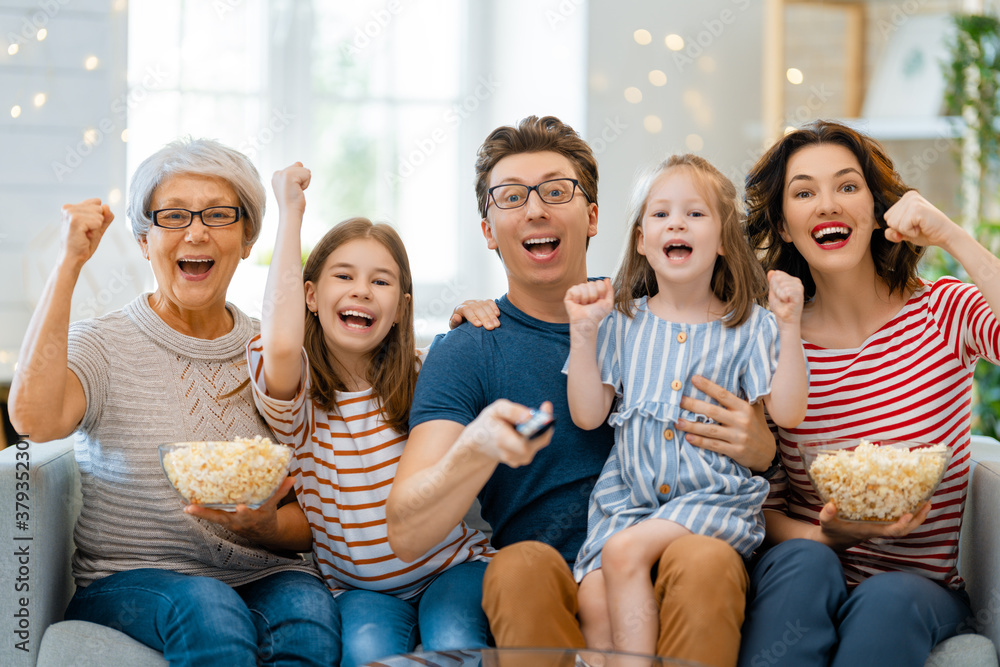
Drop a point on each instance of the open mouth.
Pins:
(541, 246)
(196, 267)
(355, 319)
(677, 251)
(831, 235)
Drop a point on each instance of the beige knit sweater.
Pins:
(146, 384)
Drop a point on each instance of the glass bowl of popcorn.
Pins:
(222, 475)
(874, 481)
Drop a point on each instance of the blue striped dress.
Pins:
(652, 471)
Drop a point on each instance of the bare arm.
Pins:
(916, 220)
(46, 398)
(587, 304)
(282, 326)
(442, 469)
(789, 396)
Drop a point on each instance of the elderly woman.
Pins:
(891, 357)
(169, 367)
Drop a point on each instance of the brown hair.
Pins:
(392, 370)
(895, 263)
(737, 279)
(533, 135)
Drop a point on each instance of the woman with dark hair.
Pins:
(891, 357)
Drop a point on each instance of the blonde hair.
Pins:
(392, 370)
(737, 279)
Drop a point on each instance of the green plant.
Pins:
(973, 93)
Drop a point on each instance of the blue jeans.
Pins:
(288, 618)
(448, 615)
(801, 613)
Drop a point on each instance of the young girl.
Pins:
(684, 307)
(336, 384)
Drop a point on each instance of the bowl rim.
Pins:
(810, 449)
(227, 507)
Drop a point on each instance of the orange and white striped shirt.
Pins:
(344, 467)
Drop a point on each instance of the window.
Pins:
(371, 95)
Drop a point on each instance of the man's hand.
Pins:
(740, 431)
(492, 434)
(481, 313)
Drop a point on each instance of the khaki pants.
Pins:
(529, 596)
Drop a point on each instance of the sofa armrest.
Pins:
(979, 553)
(35, 555)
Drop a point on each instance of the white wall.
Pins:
(66, 150)
(712, 90)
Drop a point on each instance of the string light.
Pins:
(40, 99)
(91, 62)
(657, 78)
(90, 136)
(653, 124)
(794, 75)
(13, 49)
(642, 37)
(114, 196)
(41, 34)
(15, 111)
(633, 95)
(674, 42)
(125, 135)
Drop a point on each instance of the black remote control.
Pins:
(538, 423)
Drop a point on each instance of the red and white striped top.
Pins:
(911, 380)
(344, 466)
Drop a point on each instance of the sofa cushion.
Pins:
(83, 644)
(965, 650)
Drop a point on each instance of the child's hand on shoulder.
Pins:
(589, 302)
(785, 296)
(289, 186)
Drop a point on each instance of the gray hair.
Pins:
(204, 157)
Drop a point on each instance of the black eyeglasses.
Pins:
(515, 195)
(179, 218)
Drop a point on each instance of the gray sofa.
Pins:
(34, 567)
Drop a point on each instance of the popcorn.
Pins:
(873, 483)
(226, 473)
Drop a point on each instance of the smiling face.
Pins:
(543, 246)
(681, 233)
(193, 266)
(357, 298)
(828, 210)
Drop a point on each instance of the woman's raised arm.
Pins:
(46, 398)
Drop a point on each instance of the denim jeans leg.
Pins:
(896, 618)
(296, 618)
(192, 620)
(795, 591)
(375, 625)
(451, 609)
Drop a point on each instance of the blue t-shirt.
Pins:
(521, 361)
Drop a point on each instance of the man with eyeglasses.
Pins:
(537, 191)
